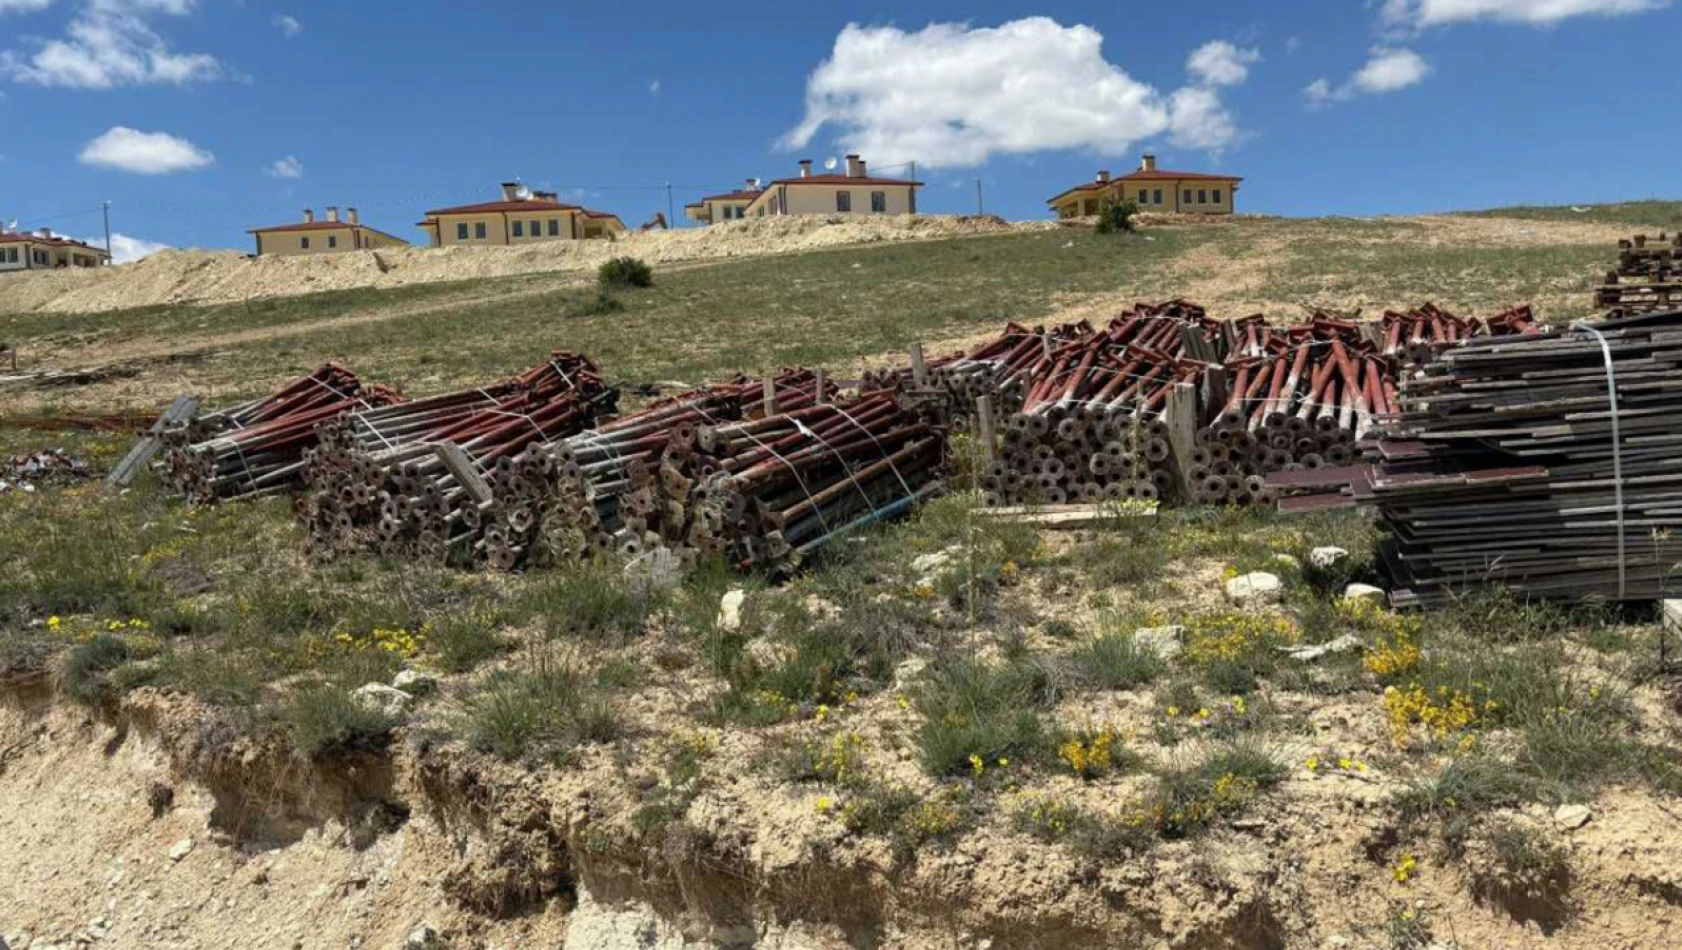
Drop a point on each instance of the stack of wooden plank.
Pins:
(1510, 464)
(1648, 276)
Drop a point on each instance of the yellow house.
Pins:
(1152, 189)
(331, 236)
(728, 206)
(44, 250)
(521, 217)
(856, 192)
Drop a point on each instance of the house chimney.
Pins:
(510, 190)
(855, 168)
(309, 215)
(332, 214)
(753, 184)
(350, 215)
(1147, 163)
(1103, 175)
(805, 168)
(46, 233)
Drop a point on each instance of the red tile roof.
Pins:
(601, 214)
(309, 226)
(1155, 174)
(728, 196)
(491, 207)
(50, 242)
(845, 180)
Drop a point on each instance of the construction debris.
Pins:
(53, 466)
(257, 447)
(1648, 276)
(449, 476)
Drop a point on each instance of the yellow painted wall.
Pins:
(29, 256)
(445, 233)
(821, 199)
(1173, 197)
(344, 240)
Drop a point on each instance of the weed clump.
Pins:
(84, 674)
(324, 721)
(1115, 217)
(550, 706)
(1116, 660)
(976, 712)
(1223, 783)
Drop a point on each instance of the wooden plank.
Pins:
(466, 473)
(178, 412)
(1063, 517)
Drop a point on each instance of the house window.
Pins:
(878, 202)
(332, 240)
(554, 227)
(843, 201)
(1202, 196)
(304, 243)
(1217, 194)
(519, 229)
(479, 230)
(461, 232)
(1158, 199)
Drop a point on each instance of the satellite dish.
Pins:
(830, 163)
(523, 193)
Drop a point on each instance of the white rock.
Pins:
(927, 563)
(1327, 556)
(1164, 641)
(421, 938)
(730, 609)
(1344, 644)
(653, 571)
(414, 682)
(1573, 816)
(1287, 561)
(1254, 589)
(386, 699)
(181, 849)
(908, 672)
(1367, 592)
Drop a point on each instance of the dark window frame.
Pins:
(878, 202)
(843, 202)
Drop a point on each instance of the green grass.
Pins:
(975, 713)
(542, 708)
(1651, 214)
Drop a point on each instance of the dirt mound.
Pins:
(194, 276)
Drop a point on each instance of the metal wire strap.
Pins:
(1617, 447)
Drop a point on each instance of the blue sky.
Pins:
(200, 118)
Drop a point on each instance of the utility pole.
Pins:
(670, 220)
(980, 208)
(107, 229)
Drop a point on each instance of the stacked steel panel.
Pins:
(452, 476)
(258, 447)
(1518, 470)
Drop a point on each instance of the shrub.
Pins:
(976, 713)
(548, 706)
(1466, 786)
(325, 721)
(84, 673)
(22, 653)
(1115, 217)
(625, 272)
(597, 305)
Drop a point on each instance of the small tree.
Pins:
(1115, 217)
(625, 272)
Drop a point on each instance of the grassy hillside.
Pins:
(1666, 215)
(836, 307)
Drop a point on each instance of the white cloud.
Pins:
(654, 87)
(23, 6)
(1292, 44)
(288, 167)
(1219, 63)
(955, 95)
(108, 44)
(146, 153)
(288, 25)
(1388, 69)
(1420, 14)
(125, 249)
(1197, 119)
